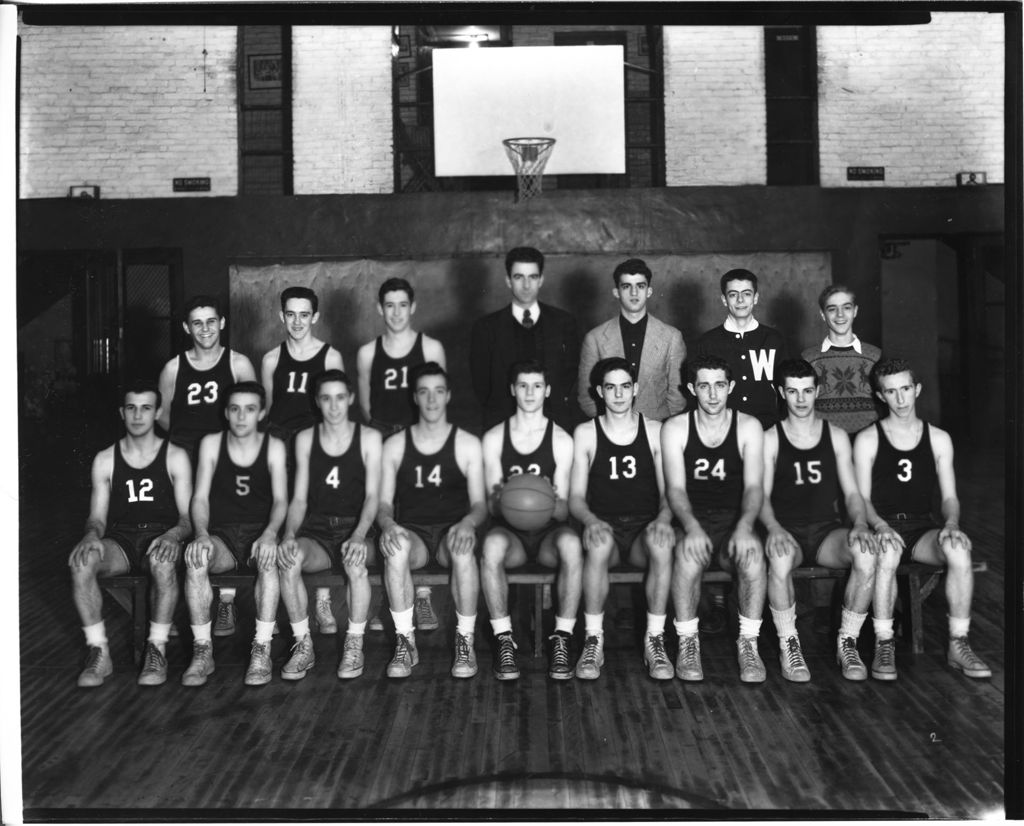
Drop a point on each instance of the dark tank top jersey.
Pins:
(903, 481)
(389, 384)
(292, 404)
(337, 484)
(806, 484)
(541, 462)
(622, 479)
(142, 495)
(240, 495)
(198, 404)
(714, 475)
(430, 489)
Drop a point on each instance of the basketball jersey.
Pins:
(389, 384)
(238, 494)
(197, 407)
(902, 481)
(142, 495)
(430, 489)
(622, 479)
(337, 484)
(714, 475)
(805, 488)
(291, 405)
(541, 462)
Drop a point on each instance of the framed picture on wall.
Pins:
(264, 71)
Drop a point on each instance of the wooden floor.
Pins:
(930, 744)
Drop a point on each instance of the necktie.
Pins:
(527, 321)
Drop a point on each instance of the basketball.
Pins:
(527, 501)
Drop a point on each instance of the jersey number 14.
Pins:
(434, 477)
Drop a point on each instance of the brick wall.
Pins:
(341, 123)
(923, 101)
(128, 109)
(714, 105)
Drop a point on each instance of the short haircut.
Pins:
(890, 367)
(518, 368)
(246, 387)
(706, 362)
(334, 374)
(197, 301)
(142, 386)
(634, 266)
(394, 285)
(299, 292)
(831, 290)
(796, 369)
(609, 365)
(524, 255)
(428, 368)
(738, 275)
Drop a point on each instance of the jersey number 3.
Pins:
(906, 470)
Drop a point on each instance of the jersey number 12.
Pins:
(145, 486)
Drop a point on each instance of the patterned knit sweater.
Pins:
(844, 376)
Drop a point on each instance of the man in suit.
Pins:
(525, 330)
(654, 349)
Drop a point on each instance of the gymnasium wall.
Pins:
(128, 108)
(925, 102)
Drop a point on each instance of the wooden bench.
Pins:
(130, 592)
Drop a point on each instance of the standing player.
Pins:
(617, 493)
(843, 363)
(654, 349)
(530, 442)
(195, 382)
(900, 462)
(138, 520)
(714, 465)
(383, 365)
(337, 473)
(238, 506)
(808, 463)
(432, 502)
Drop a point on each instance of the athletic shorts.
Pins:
(911, 527)
(718, 525)
(134, 540)
(238, 537)
(531, 540)
(625, 530)
(330, 532)
(433, 534)
(810, 536)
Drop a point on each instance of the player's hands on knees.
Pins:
(889, 541)
(863, 538)
(954, 536)
(165, 548)
(199, 551)
(462, 537)
(744, 542)
(659, 534)
(392, 538)
(353, 551)
(596, 531)
(287, 553)
(697, 547)
(780, 543)
(80, 553)
(264, 551)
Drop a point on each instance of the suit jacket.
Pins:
(493, 350)
(662, 355)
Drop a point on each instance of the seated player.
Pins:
(714, 464)
(808, 463)
(238, 506)
(432, 503)
(138, 521)
(900, 462)
(616, 492)
(337, 473)
(384, 399)
(530, 442)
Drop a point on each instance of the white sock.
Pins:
(883, 629)
(201, 633)
(501, 625)
(785, 621)
(159, 632)
(423, 591)
(227, 594)
(566, 624)
(96, 635)
(959, 626)
(323, 594)
(264, 630)
(300, 628)
(466, 625)
(686, 628)
(593, 624)
(851, 623)
(403, 621)
(749, 627)
(357, 628)
(655, 624)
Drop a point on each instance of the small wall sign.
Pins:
(191, 184)
(865, 173)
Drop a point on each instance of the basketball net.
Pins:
(528, 157)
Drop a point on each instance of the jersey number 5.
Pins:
(434, 477)
(195, 393)
(242, 485)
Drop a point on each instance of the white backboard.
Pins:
(574, 94)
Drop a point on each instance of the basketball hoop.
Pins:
(528, 157)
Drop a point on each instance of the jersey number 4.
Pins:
(145, 486)
(702, 470)
(196, 395)
(391, 378)
(333, 478)
(434, 477)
